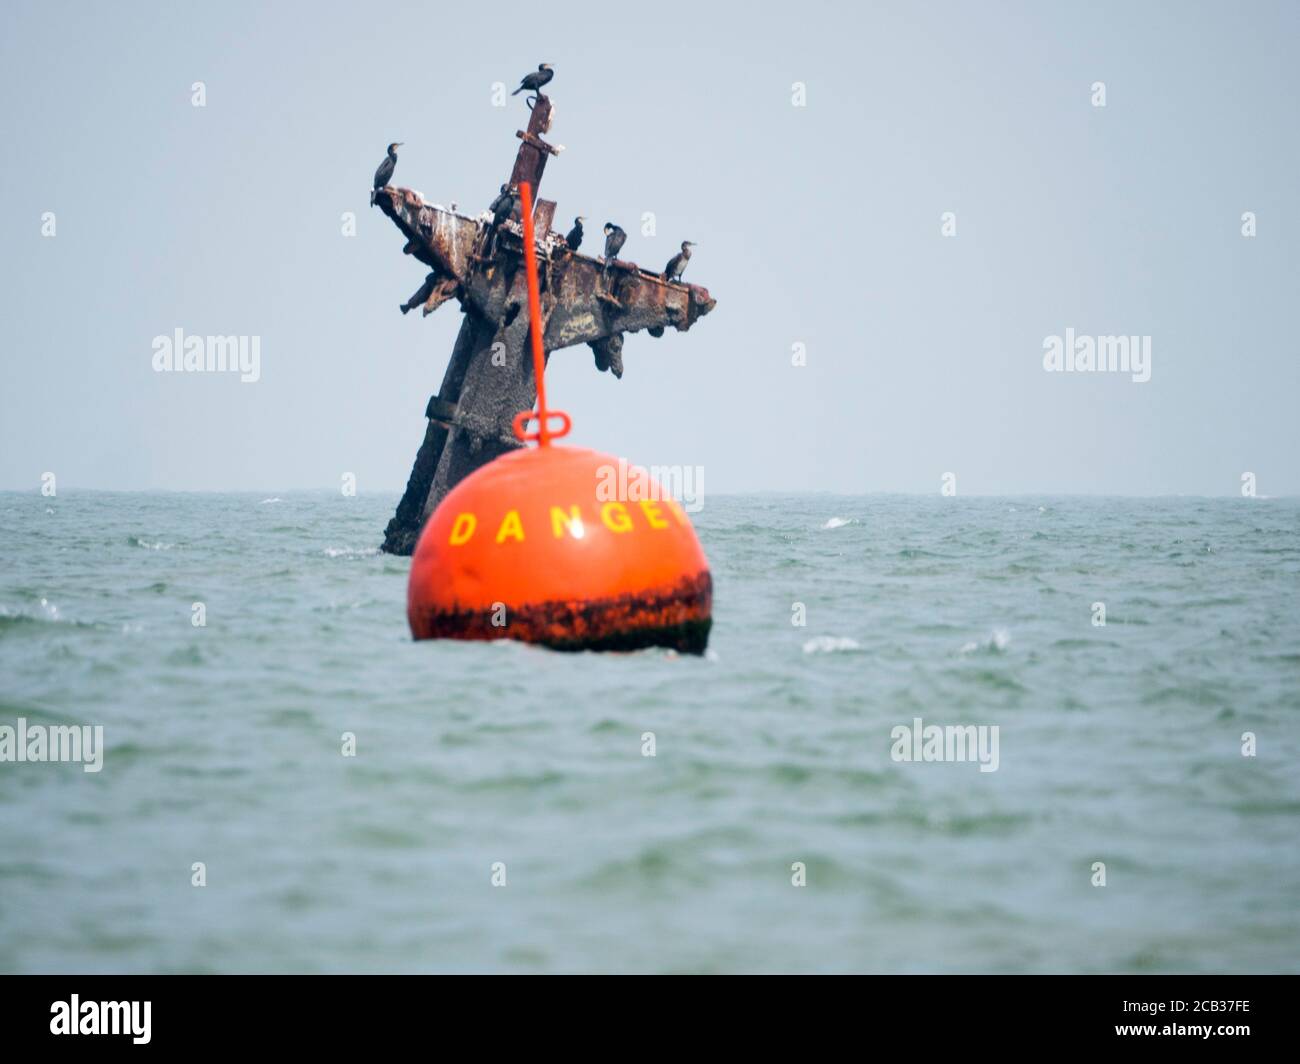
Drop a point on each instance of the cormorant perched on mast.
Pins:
(574, 239)
(385, 172)
(677, 264)
(615, 238)
(533, 82)
(501, 207)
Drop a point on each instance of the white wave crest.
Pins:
(830, 644)
(997, 641)
(350, 552)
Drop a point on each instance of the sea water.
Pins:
(289, 783)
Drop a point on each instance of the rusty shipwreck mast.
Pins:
(490, 376)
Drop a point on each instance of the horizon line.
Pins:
(723, 494)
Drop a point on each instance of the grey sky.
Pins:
(817, 225)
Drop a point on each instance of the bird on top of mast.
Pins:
(533, 82)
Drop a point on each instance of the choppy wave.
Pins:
(830, 644)
(351, 552)
(147, 544)
(998, 640)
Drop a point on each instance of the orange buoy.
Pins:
(548, 544)
(534, 546)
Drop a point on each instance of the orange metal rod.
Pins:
(535, 313)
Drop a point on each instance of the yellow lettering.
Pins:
(653, 514)
(462, 529)
(615, 517)
(572, 521)
(678, 513)
(511, 527)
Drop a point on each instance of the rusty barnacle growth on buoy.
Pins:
(489, 376)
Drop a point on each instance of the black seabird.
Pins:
(677, 264)
(533, 82)
(574, 239)
(503, 206)
(385, 172)
(615, 238)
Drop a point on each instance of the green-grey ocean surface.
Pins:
(1120, 744)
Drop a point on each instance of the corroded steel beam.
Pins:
(530, 162)
(580, 304)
